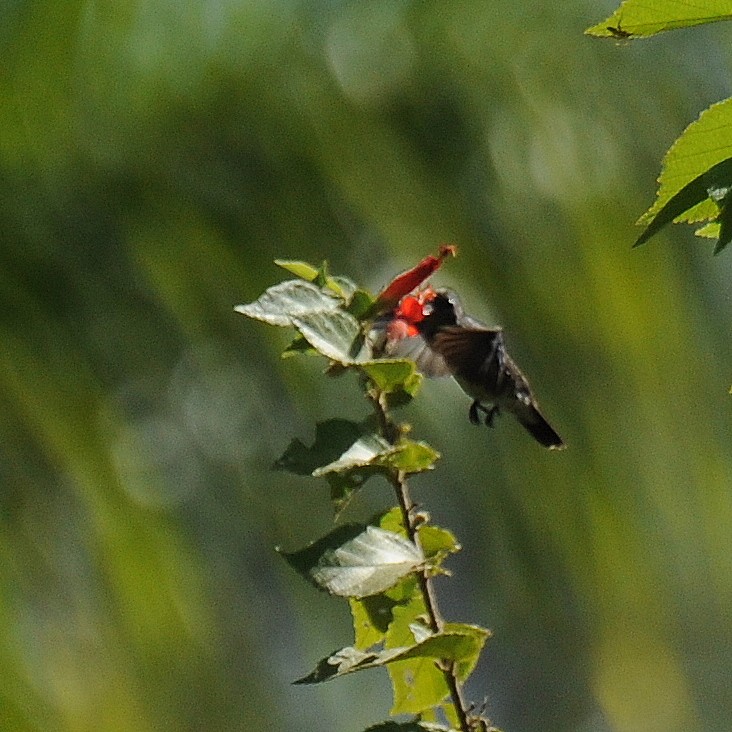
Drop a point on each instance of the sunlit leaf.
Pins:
(390, 375)
(367, 450)
(640, 18)
(418, 683)
(299, 269)
(696, 174)
(373, 451)
(355, 561)
(412, 457)
(279, 304)
(371, 618)
(339, 285)
(436, 542)
(335, 333)
(681, 206)
(447, 646)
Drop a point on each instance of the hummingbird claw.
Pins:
(490, 416)
(473, 413)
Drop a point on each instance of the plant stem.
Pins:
(398, 479)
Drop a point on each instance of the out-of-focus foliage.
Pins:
(154, 157)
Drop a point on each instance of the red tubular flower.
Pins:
(408, 313)
(407, 281)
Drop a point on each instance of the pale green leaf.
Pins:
(696, 174)
(357, 561)
(279, 304)
(642, 18)
(299, 269)
(335, 334)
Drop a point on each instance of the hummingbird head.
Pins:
(441, 311)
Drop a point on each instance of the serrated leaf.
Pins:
(681, 205)
(357, 563)
(279, 304)
(696, 172)
(640, 18)
(335, 334)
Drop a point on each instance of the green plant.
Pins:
(385, 567)
(695, 185)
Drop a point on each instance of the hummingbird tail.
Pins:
(534, 422)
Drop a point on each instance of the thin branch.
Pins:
(398, 479)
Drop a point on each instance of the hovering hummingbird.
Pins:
(451, 343)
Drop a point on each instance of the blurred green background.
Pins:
(155, 157)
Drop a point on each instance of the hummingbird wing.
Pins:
(476, 352)
(429, 362)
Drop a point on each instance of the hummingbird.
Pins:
(455, 344)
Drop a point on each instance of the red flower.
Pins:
(407, 281)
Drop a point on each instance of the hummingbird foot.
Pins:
(490, 413)
(490, 416)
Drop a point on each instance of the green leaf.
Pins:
(341, 286)
(360, 303)
(467, 649)
(280, 304)
(298, 347)
(367, 451)
(332, 438)
(700, 189)
(373, 451)
(356, 561)
(437, 543)
(418, 683)
(412, 457)
(299, 269)
(373, 615)
(371, 618)
(725, 223)
(392, 374)
(335, 334)
(640, 18)
(696, 173)
(448, 646)
(344, 661)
